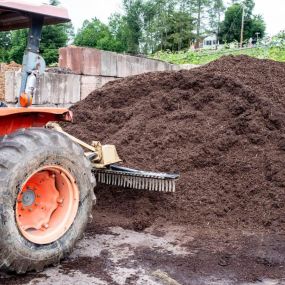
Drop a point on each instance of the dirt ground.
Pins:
(166, 254)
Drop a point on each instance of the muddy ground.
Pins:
(167, 254)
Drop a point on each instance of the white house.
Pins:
(210, 41)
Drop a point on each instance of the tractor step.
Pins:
(136, 179)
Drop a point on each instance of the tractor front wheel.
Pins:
(46, 196)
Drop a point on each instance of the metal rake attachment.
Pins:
(136, 179)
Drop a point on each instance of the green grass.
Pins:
(203, 57)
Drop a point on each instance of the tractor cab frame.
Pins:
(19, 15)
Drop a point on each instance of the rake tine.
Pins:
(170, 186)
(132, 182)
(163, 186)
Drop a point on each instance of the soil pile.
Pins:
(13, 66)
(222, 126)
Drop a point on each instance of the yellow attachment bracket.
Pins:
(104, 154)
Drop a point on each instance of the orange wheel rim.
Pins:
(47, 204)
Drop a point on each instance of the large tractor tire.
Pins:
(46, 197)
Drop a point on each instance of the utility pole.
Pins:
(242, 25)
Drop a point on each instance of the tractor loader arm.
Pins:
(105, 159)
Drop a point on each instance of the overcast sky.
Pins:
(273, 11)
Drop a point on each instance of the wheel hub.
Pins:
(29, 198)
(47, 205)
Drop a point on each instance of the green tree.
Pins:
(258, 27)
(133, 17)
(95, 34)
(53, 38)
(18, 45)
(199, 10)
(118, 29)
(5, 45)
(215, 13)
(179, 31)
(230, 29)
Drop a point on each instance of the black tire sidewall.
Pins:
(34, 160)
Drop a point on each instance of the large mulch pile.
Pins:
(13, 66)
(222, 126)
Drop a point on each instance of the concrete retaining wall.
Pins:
(90, 61)
(92, 69)
(55, 89)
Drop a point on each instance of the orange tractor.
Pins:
(47, 177)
